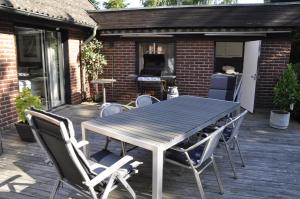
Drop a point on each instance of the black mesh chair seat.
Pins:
(107, 158)
(226, 133)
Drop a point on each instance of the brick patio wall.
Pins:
(194, 66)
(121, 59)
(75, 39)
(275, 55)
(8, 75)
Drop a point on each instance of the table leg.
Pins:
(85, 148)
(157, 173)
(104, 94)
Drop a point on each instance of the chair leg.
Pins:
(241, 156)
(108, 186)
(230, 160)
(127, 186)
(216, 171)
(107, 143)
(55, 189)
(199, 184)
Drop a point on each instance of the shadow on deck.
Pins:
(272, 165)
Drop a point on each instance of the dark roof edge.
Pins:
(194, 6)
(18, 11)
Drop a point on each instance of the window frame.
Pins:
(143, 41)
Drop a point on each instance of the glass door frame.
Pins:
(61, 68)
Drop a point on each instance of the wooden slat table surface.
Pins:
(160, 126)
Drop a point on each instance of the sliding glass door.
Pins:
(40, 65)
(53, 51)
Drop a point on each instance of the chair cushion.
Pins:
(180, 157)
(107, 159)
(66, 121)
(227, 133)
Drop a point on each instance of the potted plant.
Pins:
(286, 94)
(296, 111)
(24, 101)
(93, 63)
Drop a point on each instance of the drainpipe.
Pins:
(90, 37)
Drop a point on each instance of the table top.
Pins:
(162, 124)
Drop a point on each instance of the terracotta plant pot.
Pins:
(25, 132)
(279, 119)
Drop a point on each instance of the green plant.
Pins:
(26, 100)
(296, 111)
(92, 59)
(287, 91)
(115, 4)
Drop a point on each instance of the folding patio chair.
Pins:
(230, 137)
(93, 178)
(197, 157)
(108, 109)
(145, 100)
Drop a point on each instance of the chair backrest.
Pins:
(235, 124)
(111, 109)
(211, 144)
(53, 135)
(145, 100)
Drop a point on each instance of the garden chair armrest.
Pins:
(109, 171)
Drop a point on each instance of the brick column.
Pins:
(74, 64)
(194, 66)
(9, 87)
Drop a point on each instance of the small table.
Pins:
(103, 81)
(160, 126)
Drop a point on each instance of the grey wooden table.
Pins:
(160, 126)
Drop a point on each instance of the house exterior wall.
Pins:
(8, 76)
(194, 66)
(274, 57)
(9, 83)
(121, 65)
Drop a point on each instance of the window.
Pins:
(229, 54)
(156, 59)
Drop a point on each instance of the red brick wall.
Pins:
(74, 65)
(121, 59)
(194, 66)
(275, 55)
(8, 76)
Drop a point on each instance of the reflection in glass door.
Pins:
(40, 65)
(55, 68)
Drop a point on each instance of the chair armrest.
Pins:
(81, 144)
(109, 171)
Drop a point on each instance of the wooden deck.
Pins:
(272, 165)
